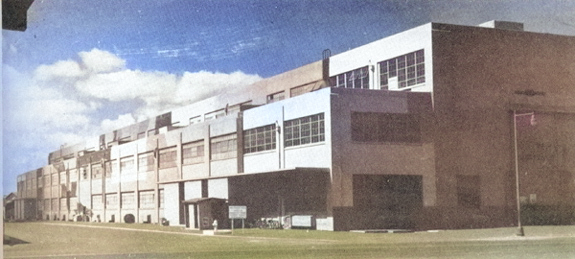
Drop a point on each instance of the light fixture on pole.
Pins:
(520, 231)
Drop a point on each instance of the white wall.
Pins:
(261, 161)
(218, 188)
(387, 48)
(224, 167)
(172, 203)
(310, 155)
(192, 190)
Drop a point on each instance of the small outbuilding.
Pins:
(201, 213)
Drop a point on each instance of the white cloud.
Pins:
(69, 101)
(200, 85)
(122, 121)
(128, 84)
(59, 70)
(99, 61)
(32, 107)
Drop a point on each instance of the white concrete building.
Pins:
(415, 130)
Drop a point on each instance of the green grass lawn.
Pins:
(101, 240)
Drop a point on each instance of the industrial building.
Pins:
(439, 126)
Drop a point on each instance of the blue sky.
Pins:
(84, 67)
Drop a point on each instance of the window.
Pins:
(224, 147)
(111, 168)
(195, 119)
(260, 139)
(304, 130)
(403, 71)
(168, 158)
(40, 205)
(126, 164)
(215, 114)
(97, 202)
(73, 189)
(55, 204)
(128, 201)
(193, 152)
(73, 175)
(63, 204)
(358, 79)
(146, 199)
(55, 177)
(97, 171)
(63, 178)
(299, 90)
(161, 196)
(468, 192)
(146, 162)
(276, 97)
(385, 127)
(112, 200)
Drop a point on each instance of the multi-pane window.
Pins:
(63, 204)
(97, 171)
(73, 189)
(358, 79)
(168, 158)
(193, 152)
(260, 139)
(304, 130)
(403, 71)
(146, 199)
(126, 164)
(146, 162)
(111, 200)
(63, 178)
(276, 97)
(161, 197)
(111, 168)
(40, 206)
(97, 202)
(73, 175)
(128, 200)
(224, 147)
(385, 127)
(55, 204)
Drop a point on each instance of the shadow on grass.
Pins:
(12, 241)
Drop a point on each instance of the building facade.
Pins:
(425, 129)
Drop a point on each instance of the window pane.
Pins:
(310, 129)
(409, 69)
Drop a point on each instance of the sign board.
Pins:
(237, 212)
(301, 221)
